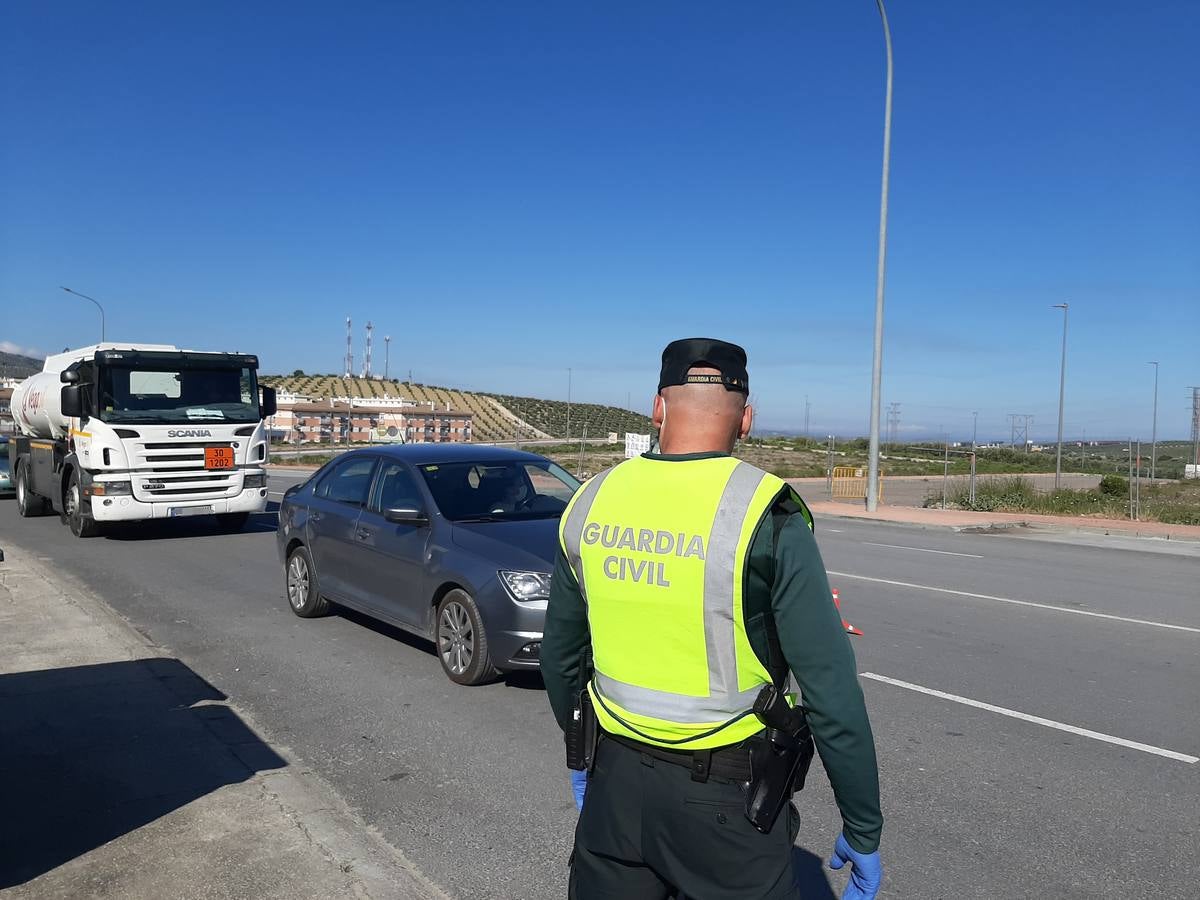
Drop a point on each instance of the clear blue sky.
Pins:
(511, 189)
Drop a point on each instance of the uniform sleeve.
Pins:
(565, 636)
(821, 659)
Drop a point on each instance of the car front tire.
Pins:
(302, 591)
(462, 645)
(81, 524)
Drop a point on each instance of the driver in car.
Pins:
(513, 496)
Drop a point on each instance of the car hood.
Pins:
(528, 545)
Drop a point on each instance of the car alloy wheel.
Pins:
(298, 581)
(456, 638)
(301, 585)
(462, 641)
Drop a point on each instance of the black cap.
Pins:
(728, 359)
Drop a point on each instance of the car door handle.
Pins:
(364, 533)
(314, 517)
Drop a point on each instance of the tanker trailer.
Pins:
(131, 432)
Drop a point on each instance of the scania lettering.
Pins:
(132, 432)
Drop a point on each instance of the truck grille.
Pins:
(175, 471)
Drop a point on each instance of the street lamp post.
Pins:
(98, 306)
(387, 356)
(568, 404)
(1154, 426)
(1062, 384)
(974, 428)
(877, 364)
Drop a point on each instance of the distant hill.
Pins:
(495, 417)
(13, 365)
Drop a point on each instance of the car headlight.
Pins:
(255, 480)
(526, 585)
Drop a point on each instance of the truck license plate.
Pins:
(218, 457)
(175, 511)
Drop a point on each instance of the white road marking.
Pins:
(1036, 720)
(923, 550)
(834, 530)
(1064, 609)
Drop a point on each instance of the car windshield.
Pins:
(499, 491)
(176, 396)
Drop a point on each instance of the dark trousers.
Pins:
(649, 832)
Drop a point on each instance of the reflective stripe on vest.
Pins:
(659, 549)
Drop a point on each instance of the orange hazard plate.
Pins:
(218, 457)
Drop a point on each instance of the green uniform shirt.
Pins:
(786, 575)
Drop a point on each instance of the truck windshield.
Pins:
(169, 396)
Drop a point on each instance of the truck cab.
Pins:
(116, 433)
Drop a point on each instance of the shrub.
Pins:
(1114, 486)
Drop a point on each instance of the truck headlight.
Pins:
(255, 480)
(526, 585)
(110, 489)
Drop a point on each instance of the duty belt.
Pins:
(725, 765)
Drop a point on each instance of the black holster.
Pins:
(779, 764)
(778, 768)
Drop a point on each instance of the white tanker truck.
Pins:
(125, 432)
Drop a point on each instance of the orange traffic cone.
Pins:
(837, 602)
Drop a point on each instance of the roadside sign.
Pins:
(636, 444)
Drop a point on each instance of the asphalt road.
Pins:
(470, 784)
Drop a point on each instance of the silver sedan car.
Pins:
(452, 542)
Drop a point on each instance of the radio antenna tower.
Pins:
(349, 349)
(367, 359)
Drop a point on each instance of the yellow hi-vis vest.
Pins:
(659, 548)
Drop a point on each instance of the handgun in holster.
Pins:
(583, 732)
(778, 763)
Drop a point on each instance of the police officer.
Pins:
(678, 573)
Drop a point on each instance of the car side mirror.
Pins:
(268, 407)
(72, 401)
(406, 515)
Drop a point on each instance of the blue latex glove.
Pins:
(579, 782)
(866, 870)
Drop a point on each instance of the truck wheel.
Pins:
(462, 645)
(303, 594)
(29, 504)
(82, 525)
(233, 521)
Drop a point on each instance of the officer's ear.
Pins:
(747, 422)
(658, 415)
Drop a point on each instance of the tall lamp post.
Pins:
(1154, 425)
(568, 404)
(1062, 384)
(877, 365)
(974, 428)
(98, 306)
